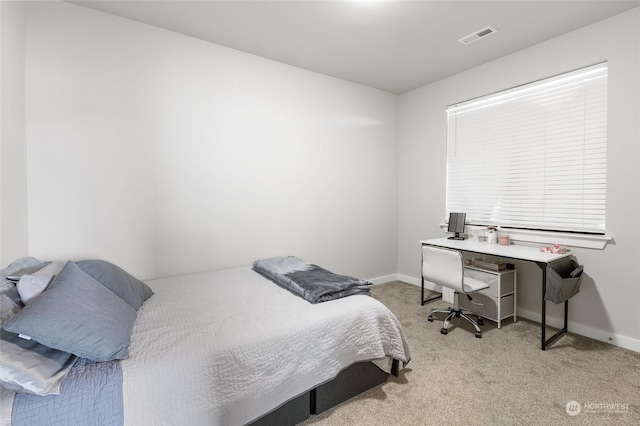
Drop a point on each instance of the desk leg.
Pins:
(547, 342)
(544, 304)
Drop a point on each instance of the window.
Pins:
(532, 157)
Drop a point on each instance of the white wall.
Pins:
(13, 159)
(166, 154)
(607, 305)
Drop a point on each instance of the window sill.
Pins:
(591, 241)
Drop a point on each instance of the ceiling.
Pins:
(391, 45)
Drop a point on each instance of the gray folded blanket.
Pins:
(311, 282)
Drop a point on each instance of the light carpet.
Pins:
(502, 379)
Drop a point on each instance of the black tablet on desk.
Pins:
(456, 225)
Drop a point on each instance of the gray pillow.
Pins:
(79, 315)
(116, 279)
(32, 285)
(10, 301)
(24, 265)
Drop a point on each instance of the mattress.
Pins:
(225, 347)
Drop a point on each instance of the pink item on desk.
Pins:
(556, 248)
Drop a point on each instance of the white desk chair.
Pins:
(445, 267)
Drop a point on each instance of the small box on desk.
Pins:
(491, 266)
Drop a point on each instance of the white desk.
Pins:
(517, 252)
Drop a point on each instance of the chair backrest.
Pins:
(444, 267)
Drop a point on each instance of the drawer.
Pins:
(506, 279)
(489, 307)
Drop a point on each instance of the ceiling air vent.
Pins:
(477, 35)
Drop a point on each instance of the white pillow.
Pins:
(32, 285)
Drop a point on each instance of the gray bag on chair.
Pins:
(563, 280)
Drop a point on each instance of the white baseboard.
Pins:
(409, 280)
(384, 279)
(583, 330)
(576, 328)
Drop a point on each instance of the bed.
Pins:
(226, 347)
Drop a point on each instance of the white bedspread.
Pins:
(225, 347)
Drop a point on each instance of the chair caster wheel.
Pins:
(444, 331)
(478, 335)
(430, 318)
(480, 321)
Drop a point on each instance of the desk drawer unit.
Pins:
(498, 300)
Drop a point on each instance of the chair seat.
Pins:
(472, 285)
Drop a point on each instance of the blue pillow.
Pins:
(116, 279)
(77, 314)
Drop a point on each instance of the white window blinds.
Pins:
(532, 157)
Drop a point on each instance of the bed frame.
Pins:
(348, 383)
